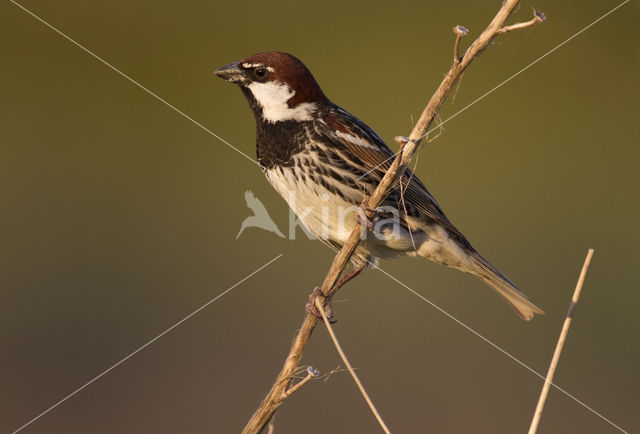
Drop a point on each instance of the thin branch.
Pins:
(538, 17)
(277, 393)
(311, 373)
(375, 412)
(460, 31)
(556, 354)
(330, 373)
(272, 427)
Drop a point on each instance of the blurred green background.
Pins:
(119, 218)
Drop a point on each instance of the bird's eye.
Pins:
(261, 72)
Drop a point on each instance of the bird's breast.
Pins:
(319, 195)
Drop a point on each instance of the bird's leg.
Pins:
(311, 304)
(347, 278)
(362, 218)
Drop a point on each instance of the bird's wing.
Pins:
(363, 143)
(359, 140)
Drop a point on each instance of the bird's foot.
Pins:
(313, 310)
(361, 215)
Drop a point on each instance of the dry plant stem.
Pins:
(460, 32)
(277, 394)
(375, 412)
(538, 17)
(298, 385)
(556, 354)
(271, 429)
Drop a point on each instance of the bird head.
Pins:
(278, 86)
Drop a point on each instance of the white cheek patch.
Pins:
(273, 96)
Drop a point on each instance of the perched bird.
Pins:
(260, 218)
(325, 162)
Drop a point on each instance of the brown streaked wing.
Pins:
(362, 142)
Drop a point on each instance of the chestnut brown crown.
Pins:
(278, 67)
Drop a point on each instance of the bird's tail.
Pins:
(503, 286)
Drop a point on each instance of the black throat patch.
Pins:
(277, 142)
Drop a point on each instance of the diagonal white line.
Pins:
(145, 345)
(177, 110)
(506, 81)
(495, 346)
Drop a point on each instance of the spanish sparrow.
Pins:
(325, 162)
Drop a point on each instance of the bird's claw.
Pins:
(361, 216)
(313, 310)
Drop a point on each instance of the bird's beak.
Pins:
(232, 72)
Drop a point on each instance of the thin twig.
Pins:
(538, 17)
(328, 375)
(277, 393)
(563, 336)
(310, 374)
(375, 412)
(403, 187)
(460, 31)
(271, 427)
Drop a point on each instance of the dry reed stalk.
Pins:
(563, 336)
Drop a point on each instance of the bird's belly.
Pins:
(331, 216)
(328, 215)
(438, 246)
